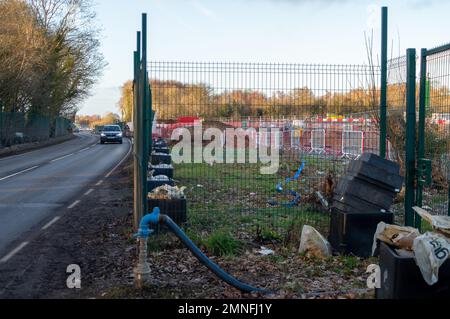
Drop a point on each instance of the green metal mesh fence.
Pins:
(437, 131)
(396, 123)
(320, 115)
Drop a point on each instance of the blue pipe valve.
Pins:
(150, 219)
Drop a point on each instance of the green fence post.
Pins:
(137, 127)
(145, 113)
(421, 131)
(410, 136)
(383, 89)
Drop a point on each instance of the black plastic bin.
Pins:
(353, 233)
(161, 159)
(401, 278)
(152, 184)
(176, 209)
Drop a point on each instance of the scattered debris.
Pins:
(266, 251)
(397, 236)
(322, 200)
(439, 223)
(313, 244)
(167, 192)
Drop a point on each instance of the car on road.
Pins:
(111, 134)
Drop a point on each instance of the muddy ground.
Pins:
(97, 236)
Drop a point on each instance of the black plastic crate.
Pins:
(176, 209)
(376, 176)
(381, 163)
(401, 278)
(360, 206)
(161, 159)
(366, 191)
(352, 233)
(152, 184)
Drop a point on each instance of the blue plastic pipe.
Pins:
(156, 218)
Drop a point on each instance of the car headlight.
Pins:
(103, 135)
(119, 135)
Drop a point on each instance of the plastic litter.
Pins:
(431, 251)
(160, 178)
(397, 236)
(162, 166)
(313, 244)
(266, 251)
(167, 192)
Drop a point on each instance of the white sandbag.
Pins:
(431, 251)
(313, 244)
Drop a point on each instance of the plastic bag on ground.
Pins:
(313, 244)
(431, 251)
(393, 235)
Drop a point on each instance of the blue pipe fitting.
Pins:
(150, 219)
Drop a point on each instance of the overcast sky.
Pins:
(298, 31)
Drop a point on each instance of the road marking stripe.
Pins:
(74, 204)
(61, 158)
(54, 220)
(13, 252)
(99, 183)
(89, 192)
(18, 173)
(120, 163)
(83, 150)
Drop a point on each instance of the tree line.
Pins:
(49, 55)
(172, 99)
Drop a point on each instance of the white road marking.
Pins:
(89, 192)
(120, 163)
(61, 158)
(13, 252)
(74, 204)
(83, 150)
(54, 220)
(99, 183)
(18, 173)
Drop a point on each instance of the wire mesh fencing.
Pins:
(242, 119)
(396, 124)
(436, 197)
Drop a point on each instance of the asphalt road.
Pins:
(37, 187)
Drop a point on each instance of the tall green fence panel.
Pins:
(12, 128)
(37, 128)
(62, 126)
(320, 115)
(435, 134)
